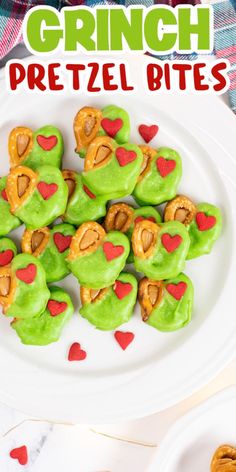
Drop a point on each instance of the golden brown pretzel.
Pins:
(86, 239)
(150, 294)
(181, 209)
(86, 125)
(224, 459)
(119, 217)
(20, 144)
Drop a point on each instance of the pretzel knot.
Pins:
(224, 459)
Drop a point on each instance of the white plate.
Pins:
(191, 442)
(158, 369)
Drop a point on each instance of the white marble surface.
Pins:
(83, 448)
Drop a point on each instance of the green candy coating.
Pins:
(93, 270)
(110, 312)
(38, 156)
(54, 261)
(146, 212)
(172, 314)
(36, 212)
(81, 207)
(163, 264)
(154, 189)
(30, 299)
(112, 112)
(202, 242)
(112, 180)
(45, 329)
(8, 222)
(7, 244)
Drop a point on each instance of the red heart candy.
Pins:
(205, 222)
(21, 454)
(165, 166)
(56, 308)
(47, 143)
(47, 190)
(6, 257)
(177, 290)
(124, 338)
(111, 251)
(76, 353)
(112, 126)
(171, 243)
(27, 274)
(141, 218)
(4, 195)
(148, 132)
(124, 157)
(62, 242)
(122, 289)
(89, 193)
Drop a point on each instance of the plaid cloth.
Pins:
(12, 13)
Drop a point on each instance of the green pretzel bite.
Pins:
(166, 305)
(37, 198)
(123, 217)
(111, 171)
(23, 288)
(96, 258)
(110, 307)
(160, 176)
(51, 247)
(8, 222)
(203, 222)
(36, 149)
(89, 123)
(160, 250)
(82, 204)
(47, 327)
(8, 251)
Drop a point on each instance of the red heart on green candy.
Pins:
(205, 222)
(111, 127)
(21, 454)
(56, 308)
(47, 190)
(112, 252)
(165, 166)
(177, 290)
(148, 132)
(125, 157)
(124, 338)
(47, 143)
(6, 257)
(62, 242)
(27, 274)
(122, 289)
(171, 243)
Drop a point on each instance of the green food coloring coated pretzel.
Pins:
(36, 149)
(43, 199)
(160, 251)
(204, 230)
(8, 222)
(25, 293)
(90, 123)
(167, 306)
(51, 247)
(82, 204)
(96, 258)
(110, 307)
(47, 327)
(160, 177)
(111, 171)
